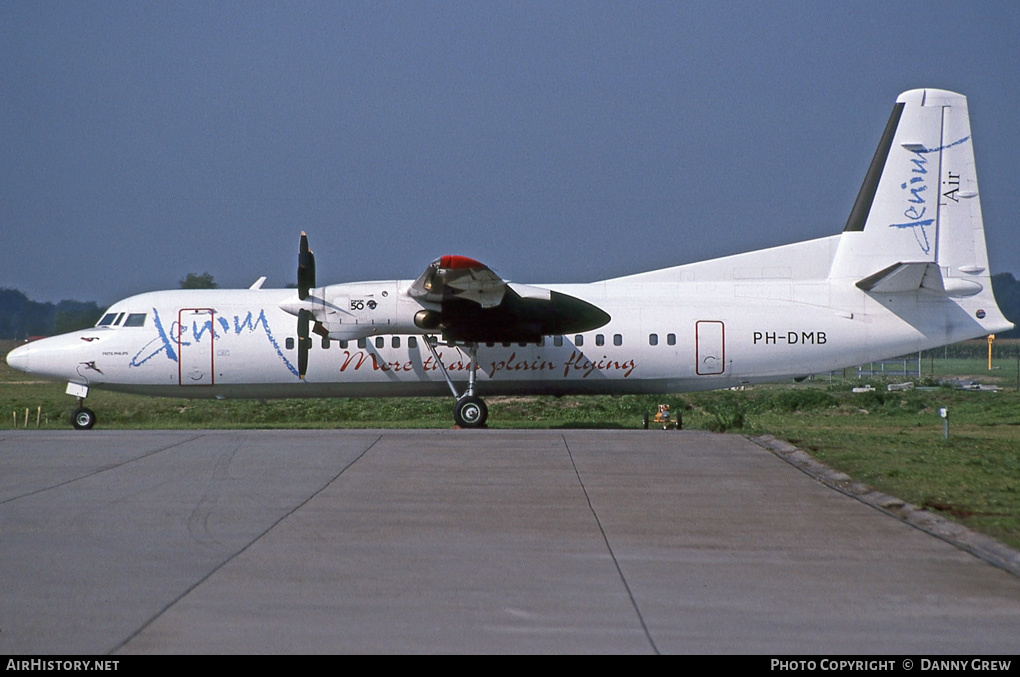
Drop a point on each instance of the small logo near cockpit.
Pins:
(91, 365)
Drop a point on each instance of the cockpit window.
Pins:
(118, 320)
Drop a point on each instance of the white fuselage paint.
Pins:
(708, 325)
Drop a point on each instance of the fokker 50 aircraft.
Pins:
(908, 272)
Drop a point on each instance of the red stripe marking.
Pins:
(450, 261)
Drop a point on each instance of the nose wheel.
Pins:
(83, 418)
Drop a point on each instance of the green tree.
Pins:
(195, 281)
(74, 315)
(21, 317)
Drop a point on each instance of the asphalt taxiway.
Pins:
(465, 541)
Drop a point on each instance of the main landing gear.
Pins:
(470, 411)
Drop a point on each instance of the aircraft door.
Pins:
(196, 346)
(710, 339)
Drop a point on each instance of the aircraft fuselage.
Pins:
(759, 325)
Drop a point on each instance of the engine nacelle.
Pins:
(427, 319)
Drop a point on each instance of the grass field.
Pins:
(892, 441)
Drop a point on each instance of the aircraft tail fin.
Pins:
(916, 223)
(919, 201)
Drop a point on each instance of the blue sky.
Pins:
(554, 141)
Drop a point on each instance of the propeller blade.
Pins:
(306, 268)
(304, 320)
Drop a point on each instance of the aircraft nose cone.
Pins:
(18, 358)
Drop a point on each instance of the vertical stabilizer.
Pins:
(916, 224)
(919, 201)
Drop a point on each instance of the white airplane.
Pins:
(908, 272)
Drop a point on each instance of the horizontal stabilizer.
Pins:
(911, 276)
(898, 277)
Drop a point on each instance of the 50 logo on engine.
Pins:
(361, 304)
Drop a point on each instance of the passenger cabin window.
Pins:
(579, 340)
(395, 342)
(600, 340)
(290, 344)
(557, 341)
(412, 341)
(671, 339)
(325, 343)
(135, 320)
(380, 342)
(362, 343)
(617, 339)
(653, 339)
(343, 344)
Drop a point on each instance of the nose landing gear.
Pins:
(83, 418)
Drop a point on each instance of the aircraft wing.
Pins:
(468, 302)
(458, 277)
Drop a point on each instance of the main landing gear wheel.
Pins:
(83, 418)
(470, 412)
